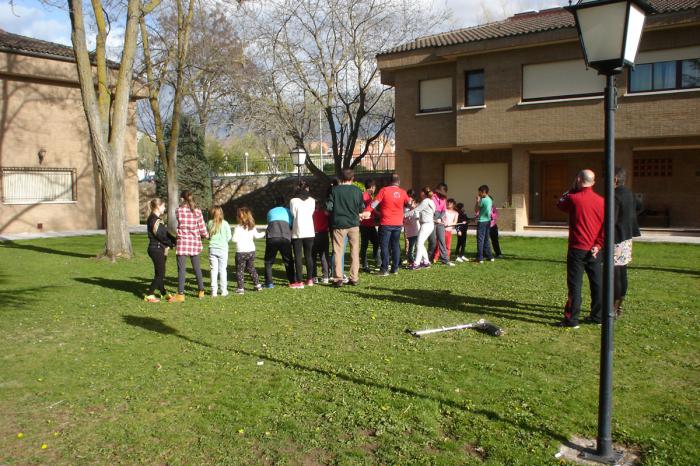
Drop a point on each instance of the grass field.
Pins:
(90, 374)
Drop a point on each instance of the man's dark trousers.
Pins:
(578, 260)
(389, 238)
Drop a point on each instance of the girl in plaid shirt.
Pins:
(190, 230)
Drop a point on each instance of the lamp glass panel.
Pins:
(634, 32)
(602, 30)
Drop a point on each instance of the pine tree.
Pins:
(193, 171)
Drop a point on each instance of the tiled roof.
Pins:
(14, 43)
(522, 23)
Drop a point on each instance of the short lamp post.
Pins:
(610, 32)
(298, 155)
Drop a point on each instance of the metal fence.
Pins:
(283, 165)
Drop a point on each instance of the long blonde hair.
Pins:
(155, 203)
(245, 218)
(217, 217)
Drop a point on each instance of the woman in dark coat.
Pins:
(626, 228)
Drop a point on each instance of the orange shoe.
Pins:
(200, 294)
(178, 298)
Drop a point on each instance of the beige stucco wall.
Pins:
(40, 107)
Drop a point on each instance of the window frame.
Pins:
(679, 78)
(74, 184)
(482, 88)
(428, 111)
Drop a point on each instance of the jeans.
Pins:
(493, 234)
(389, 237)
(246, 261)
(158, 257)
(483, 246)
(303, 246)
(321, 251)
(369, 235)
(218, 261)
(437, 240)
(182, 270)
(339, 236)
(284, 246)
(426, 229)
(578, 260)
(412, 249)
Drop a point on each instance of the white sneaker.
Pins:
(465, 259)
(459, 259)
(240, 291)
(451, 264)
(324, 281)
(224, 293)
(213, 294)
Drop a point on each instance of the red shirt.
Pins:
(392, 200)
(320, 221)
(586, 211)
(370, 222)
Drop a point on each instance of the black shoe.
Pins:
(352, 283)
(566, 324)
(383, 273)
(591, 320)
(338, 284)
(366, 269)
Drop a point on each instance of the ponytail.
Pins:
(188, 199)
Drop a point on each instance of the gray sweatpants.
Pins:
(182, 269)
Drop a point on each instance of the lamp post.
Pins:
(609, 32)
(298, 155)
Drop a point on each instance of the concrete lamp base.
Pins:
(583, 451)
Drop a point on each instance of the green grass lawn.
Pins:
(90, 374)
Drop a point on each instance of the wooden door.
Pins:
(555, 181)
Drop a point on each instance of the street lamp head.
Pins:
(610, 31)
(298, 155)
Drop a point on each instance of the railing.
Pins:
(370, 164)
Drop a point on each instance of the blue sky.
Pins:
(34, 19)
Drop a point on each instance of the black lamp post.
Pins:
(298, 155)
(609, 31)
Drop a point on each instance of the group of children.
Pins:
(301, 231)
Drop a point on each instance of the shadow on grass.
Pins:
(45, 250)
(692, 272)
(20, 298)
(158, 326)
(506, 309)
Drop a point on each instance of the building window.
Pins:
(665, 75)
(435, 95)
(560, 80)
(474, 88)
(653, 167)
(35, 185)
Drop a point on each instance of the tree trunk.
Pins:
(118, 242)
(173, 194)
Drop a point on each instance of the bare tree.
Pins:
(169, 59)
(320, 54)
(106, 106)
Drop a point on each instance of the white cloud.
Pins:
(39, 22)
(472, 12)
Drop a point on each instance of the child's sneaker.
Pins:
(465, 259)
(324, 281)
(450, 264)
(213, 294)
(316, 281)
(459, 259)
(345, 279)
(258, 287)
(296, 285)
(309, 283)
(178, 298)
(240, 291)
(425, 265)
(151, 298)
(224, 293)
(269, 285)
(200, 294)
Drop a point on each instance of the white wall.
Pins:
(463, 181)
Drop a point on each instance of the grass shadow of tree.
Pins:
(45, 250)
(158, 326)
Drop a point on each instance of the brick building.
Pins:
(511, 104)
(49, 181)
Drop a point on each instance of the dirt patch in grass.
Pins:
(474, 451)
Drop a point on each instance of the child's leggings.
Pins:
(422, 254)
(245, 261)
(182, 269)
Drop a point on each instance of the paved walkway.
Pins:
(646, 237)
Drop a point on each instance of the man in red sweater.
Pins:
(586, 211)
(392, 200)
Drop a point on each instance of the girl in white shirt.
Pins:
(302, 207)
(244, 236)
(424, 212)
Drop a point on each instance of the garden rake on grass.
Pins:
(480, 325)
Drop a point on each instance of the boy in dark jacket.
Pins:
(279, 238)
